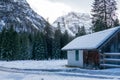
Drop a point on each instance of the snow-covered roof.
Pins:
(90, 41)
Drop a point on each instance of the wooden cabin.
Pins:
(96, 50)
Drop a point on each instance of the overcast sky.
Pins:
(54, 8)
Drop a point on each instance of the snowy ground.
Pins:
(52, 70)
(52, 64)
(22, 76)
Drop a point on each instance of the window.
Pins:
(76, 55)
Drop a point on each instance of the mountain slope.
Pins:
(19, 14)
(72, 21)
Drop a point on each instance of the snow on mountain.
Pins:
(72, 21)
(19, 14)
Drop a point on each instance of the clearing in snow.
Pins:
(52, 70)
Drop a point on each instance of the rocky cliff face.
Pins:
(72, 21)
(20, 15)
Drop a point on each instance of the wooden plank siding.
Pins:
(113, 46)
(91, 58)
(110, 56)
(106, 56)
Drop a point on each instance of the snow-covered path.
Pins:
(52, 72)
(68, 73)
(23, 76)
(49, 76)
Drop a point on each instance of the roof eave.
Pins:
(107, 40)
(79, 49)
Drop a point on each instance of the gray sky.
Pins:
(78, 5)
(54, 8)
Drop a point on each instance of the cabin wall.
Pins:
(91, 59)
(113, 45)
(110, 53)
(71, 55)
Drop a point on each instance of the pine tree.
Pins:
(81, 31)
(24, 47)
(64, 40)
(31, 43)
(14, 43)
(39, 47)
(49, 38)
(56, 50)
(2, 36)
(10, 44)
(116, 22)
(0, 44)
(104, 14)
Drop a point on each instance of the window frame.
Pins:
(77, 55)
